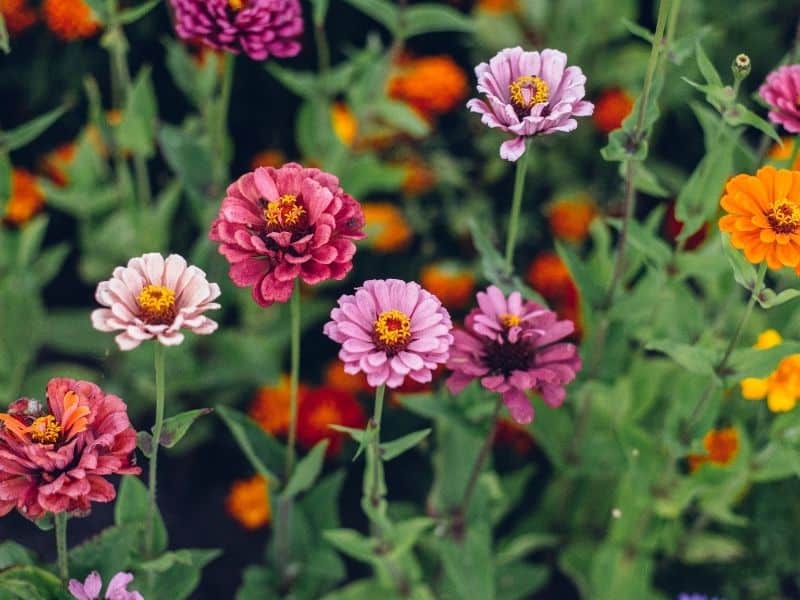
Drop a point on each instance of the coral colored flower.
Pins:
(419, 177)
(272, 157)
(386, 227)
(528, 94)
(56, 163)
(498, 6)
(432, 85)
(55, 458)
(325, 406)
(721, 445)
(612, 107)
(764, 216)
(570, 217)
(782, 387)
(70, 19)
(344, 123)
(154, 298)
(514, 346)
(90, 589)
(18, 15)
(336, 377)
(270, 407)
(453, 285)
(391, 329)
(248, 502)
(549, 276)
(673, 228)
(259, 28)
(26, 199)
(781, 91)
(513, 435)
(279, 225)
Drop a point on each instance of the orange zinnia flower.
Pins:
(386, 227)
(18, 15)
(549, 276)
(70, 19)
(611, 108)
(570, 217)
(764, 216)
(270, 407)
(336, 377)
(248, 502)
(453, 285)
(322, 407)
(270, 157)
(498, 6)
(56, 163)
(433, 85)
(26, 198)
(419, 177)
(722, 446)
(344, 123)
(784, 153)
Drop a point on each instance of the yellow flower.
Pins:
(782, 387)
(386, 228)
(248, 502)
(344, 122)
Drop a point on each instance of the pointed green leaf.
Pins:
(382, 11)
(306, 471)
(740, 115)
(24, 134)
(136, 131)
(174, 428)
(362, 436)
(706, 67)
(263, 451)
(132, 507)
(395, 448)
(352, 543)
(130, 15)
(768, 298)
(429, 18)
(744, 272)
(692, 358)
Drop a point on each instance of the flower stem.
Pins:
(221, 126)
(294, 384)
(61, 545)
(516, 205)
(158, 362)
(375, 487)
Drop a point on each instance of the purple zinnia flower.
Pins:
(529, 93)
(389, 329)
(781, 91)
(259, 28)
(514, 346)
(90, 589)
(696, 597)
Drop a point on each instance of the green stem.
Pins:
(158, 362)
(516, 205)
(294, 384)
(477, 467)
(61, 546)
(323, 55)
(220, 128)
(375, 491)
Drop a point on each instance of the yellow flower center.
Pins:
(237, 5)
(528, 91)
(45, 430)
(284, 212)
(784, 216)
(157, 303)
(508, 320)
(392, 330)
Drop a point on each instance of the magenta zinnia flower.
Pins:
(259, 28)
(514, 346)
(529, 93)
(781, 91)
(54, 459)
(279, 225)
(390, 329)
(90, 589)
(154, 298)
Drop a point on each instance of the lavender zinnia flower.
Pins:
(781, 91)
(259, 28)
(90, 589)
(529, 93)
(512, 347)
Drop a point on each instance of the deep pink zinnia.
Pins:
(514, 346)
(390, 329)
(529, 93)
(279, 225)
(259, 28)
(781, 91)
(54, 459)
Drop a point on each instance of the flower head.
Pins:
(784, 151)
(498, 6)
(248, 502)
(90, 589)
(55, 458)
(154, 298)
(26, 199)
(336, 377)
(612, 107)
(528, 94)
(387, 229)
(764, 216)
(782, 387)
(549, 276)
(319, 408)
(70, 19)
(513, 346)
(432, 85)
(259, 28)
(344, 123)
(570, 217)
(270, 407)
(18, 15)
(721, 447)
(452, 284)
(781, 91)
(390, 329)
(279, 225)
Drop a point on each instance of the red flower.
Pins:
(325, 406)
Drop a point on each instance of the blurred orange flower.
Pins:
(70, 19)
(248, 502)
(498, 6)
(344, 123)
(56, 162)
(18, 15)
(271, 157)
(433, 85)
(419, 176)
(386, 227)
(335, 377)
(784, 153)
(26, 199)
(548, 275)
(270, 407)
(611, 108)
(569, 217)
(453, 285)
(325, 406)
(722, 446)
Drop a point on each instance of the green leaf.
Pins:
(30, 583)
(362, 436)
(753, 362)
(352, 543)
(302, 83)
(133, 508)
(740, 115)
(523, 545)
(12, 554)
(195, 81)
(306, 471)
(100, 9)
(429, 18)
(4, 39)
(401, 116)
(108, 552)
(584, 278)
(702, 548)
(395, 448)
(24, 134)
(136, 131)
(5, 180)
(263, 451)
(768, 298)
(174, 428)
(707, 69)
(645, 242)
(382, 11)
(173, 575)
(520, 581)
(468, 563)
(692, 358)
(744, 272)
(70, 331)
(188, 157)
(129, 15)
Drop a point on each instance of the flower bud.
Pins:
(741, 66)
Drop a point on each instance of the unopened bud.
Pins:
(741, 66)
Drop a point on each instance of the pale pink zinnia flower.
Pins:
(154, 298)
(390, 329)
(781, 91)
(529, 93)
(55, 458)
(514, 346)
(279, 225)
(90, 589)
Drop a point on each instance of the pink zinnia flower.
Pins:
(514, 346)
(90, 589)
(529, 93)
(781, 91)
(154, 298)
(54, 459)
(259, 28)
(390, 329)
(279, 225)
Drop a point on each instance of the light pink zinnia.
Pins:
(514, 346)
(529, 93)
(54, 459)
(390, 329)
(781, 91)
(259, 28)
(279, 225)
(90, 589)
(154, 298)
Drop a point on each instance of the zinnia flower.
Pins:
(279, 225)
(549, 276)
(55, 458)
(70, 19)
(259, 28)
(270, 407)
(528, 94)
(344, 123)
(90, 589)
(612, 107)
(390, 329)
(781, 91)
(452, 284)
(248, 502)
(336, 377)
(271, 157)
(722, 446)
(514, 346)
(498, 6)
(386, 227)
(783, 152)
(154, 298)
(18, 15)
(569, 217)
(696, 597)
(319, 408)
(26, 199)
(782, 387)
(432, 85)
(419, 177)
(764, 216)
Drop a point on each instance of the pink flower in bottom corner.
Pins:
(56, 458)
(514, 346)
(90, 589)
(781, 91)
(390, 329)
(155, 298)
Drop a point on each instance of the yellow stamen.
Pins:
(393, 329)
(45, 430)
(528, 91)
(508, 320)
(283, 212)
(784, 216)
(157, 303)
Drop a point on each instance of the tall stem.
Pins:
(220, 128)
(477, 467)
(516, 205)
(294, 384)
(61, 545)
(158, 362)
(375, 487)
